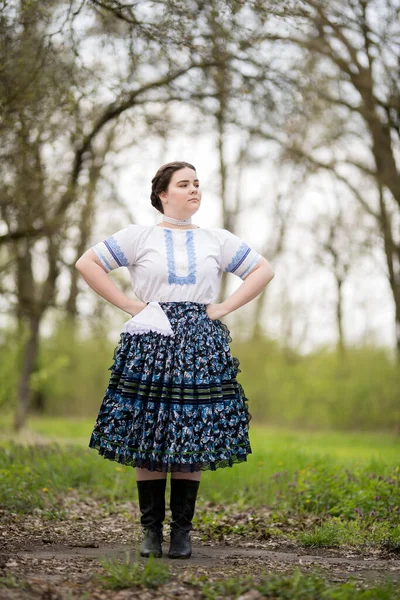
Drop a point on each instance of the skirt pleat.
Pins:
(173, 403)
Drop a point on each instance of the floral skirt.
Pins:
(173, 402)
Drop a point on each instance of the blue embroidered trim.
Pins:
(172, 276)
(191, 254)
(251, 265)
(116, 252)
(102, 258)
(238, 258)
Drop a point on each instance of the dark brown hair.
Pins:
(161, 179)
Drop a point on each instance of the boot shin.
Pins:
(183, 502)
(152, 507)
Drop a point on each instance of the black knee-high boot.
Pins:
(182, 504)
(152, 506)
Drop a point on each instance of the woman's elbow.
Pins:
(79, 263)
(86, 258)
(267, 269)
(269, 275)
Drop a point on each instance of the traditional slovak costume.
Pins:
(173, 402)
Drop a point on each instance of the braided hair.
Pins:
(161, 179)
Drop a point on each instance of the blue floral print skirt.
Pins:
(173, 402)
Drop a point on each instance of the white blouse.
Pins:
(173, 265)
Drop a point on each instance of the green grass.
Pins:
(10, 581)
(322, 490)
(119, 574)
(296, 586)
(62, 430)
(35, 476)
(361, 533)
(338, 479)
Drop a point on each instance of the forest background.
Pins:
(291, 113)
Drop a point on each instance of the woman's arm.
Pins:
(93, 272)
(258, 278)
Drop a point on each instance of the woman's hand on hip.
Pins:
(216, 311)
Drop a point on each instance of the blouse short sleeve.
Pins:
(118, 250)
(236, 256)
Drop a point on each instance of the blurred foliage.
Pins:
(321, 390)
(11, 344)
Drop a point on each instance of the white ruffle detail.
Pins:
(151, 318)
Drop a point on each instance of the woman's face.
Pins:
(183, 196)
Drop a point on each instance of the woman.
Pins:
(173, 403)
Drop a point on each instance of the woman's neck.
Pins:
(181, 228)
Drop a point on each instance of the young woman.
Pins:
(173, 403)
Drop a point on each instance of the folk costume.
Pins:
(173, 402)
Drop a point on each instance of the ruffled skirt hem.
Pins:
(165, 463)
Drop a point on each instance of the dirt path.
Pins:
(62, 571)
(58, 559)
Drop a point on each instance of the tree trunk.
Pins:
(84, 236)
(341, 346)
(392, 254)
(226, 217)
(86, 220)
(29, 356)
